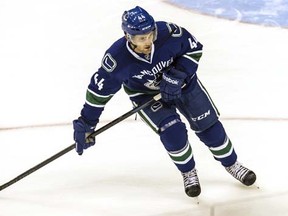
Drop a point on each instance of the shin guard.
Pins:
(173, 135)
(216, 139)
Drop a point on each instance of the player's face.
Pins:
(143, 42)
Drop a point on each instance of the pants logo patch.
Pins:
(156, 106)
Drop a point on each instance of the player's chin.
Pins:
(147, 50)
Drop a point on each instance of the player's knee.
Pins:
(213, 136)
(173, 134)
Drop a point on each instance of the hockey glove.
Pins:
(81, 131)
(171, 83)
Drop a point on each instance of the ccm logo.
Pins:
(202, 116)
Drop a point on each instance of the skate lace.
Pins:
(190, 178)
(238, 171)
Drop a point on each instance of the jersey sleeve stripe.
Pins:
(191, 59)
(94, 105)
(98, 95)
(96, 100)
(193, 56)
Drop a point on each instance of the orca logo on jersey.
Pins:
(153, 76)
(108, 63)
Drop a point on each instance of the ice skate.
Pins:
(191, 183)
(241, 173)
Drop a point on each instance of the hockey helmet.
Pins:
(137, 21)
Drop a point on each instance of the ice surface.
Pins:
(49, 49)
(263, 12)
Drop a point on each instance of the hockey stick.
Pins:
(69, 148)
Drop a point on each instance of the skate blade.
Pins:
(256, 186)
(196, 200)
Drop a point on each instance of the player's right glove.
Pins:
(81, 131)
(171, 84)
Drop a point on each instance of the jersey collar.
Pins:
(138, 56)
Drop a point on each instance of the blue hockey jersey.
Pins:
(140, 74)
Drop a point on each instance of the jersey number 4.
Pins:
(98, 83)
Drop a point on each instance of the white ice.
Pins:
(48, 51)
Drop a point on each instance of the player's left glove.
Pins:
(81, 131)
(171, 84)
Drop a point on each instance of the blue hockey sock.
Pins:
(219, 144)
(173, 135)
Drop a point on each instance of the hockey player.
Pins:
(155, 57)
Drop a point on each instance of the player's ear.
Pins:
(126, 35)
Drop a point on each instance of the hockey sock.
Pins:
(219, 144)
(173, 135)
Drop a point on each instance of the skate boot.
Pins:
(191, 183)
(241, 173)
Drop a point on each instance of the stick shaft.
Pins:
(71, 147)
